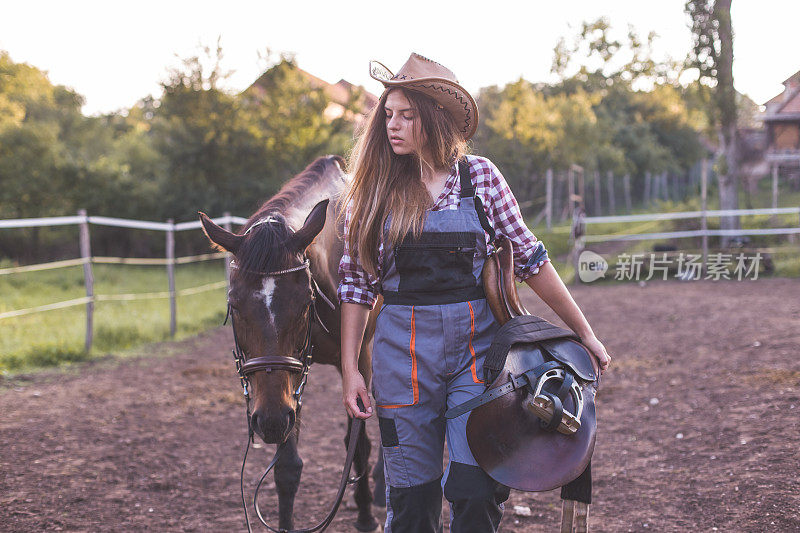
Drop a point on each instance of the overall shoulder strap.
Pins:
(467, 191)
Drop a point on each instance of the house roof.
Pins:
(774, 100)
(338, 92)
(794, 79)
(345, 87)
(786, 105)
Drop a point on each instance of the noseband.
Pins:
(267, 363)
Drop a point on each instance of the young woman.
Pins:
(414, 234)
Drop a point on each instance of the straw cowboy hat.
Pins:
(435, 80)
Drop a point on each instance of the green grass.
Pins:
(55, 337)
(762, 197)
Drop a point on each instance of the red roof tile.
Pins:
(338, 92)
(792, 106)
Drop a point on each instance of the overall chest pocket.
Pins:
(437, 261)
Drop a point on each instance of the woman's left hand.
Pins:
(599, 352)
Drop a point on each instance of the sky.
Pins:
(116, 52)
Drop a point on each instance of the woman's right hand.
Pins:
(353, 388)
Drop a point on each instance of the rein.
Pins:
(245, 367)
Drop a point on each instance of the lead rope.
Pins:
(241, 487)
(346, 480)
(238, 355)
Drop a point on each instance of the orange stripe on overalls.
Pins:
(412, 351)
(471, 349)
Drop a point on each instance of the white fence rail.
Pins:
(87, 260)
(116, 222)
(580, 238)
(690, 233)
(691, 214)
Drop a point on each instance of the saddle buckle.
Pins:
(542, 407)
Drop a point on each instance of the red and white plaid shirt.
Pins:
(502, 210)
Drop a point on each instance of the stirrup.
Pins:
(542, 406)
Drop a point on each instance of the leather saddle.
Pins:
(533, 429)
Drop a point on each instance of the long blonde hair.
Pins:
(384, 182)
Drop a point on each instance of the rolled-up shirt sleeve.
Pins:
(504, 215)
(355, 284)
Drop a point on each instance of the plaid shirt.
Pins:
(502, 210)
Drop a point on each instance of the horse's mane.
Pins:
(265, 248)
(296, 186)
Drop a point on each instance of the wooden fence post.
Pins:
(659, 192)
(560, 185)
(659, 187)
(648, 181)
(612, 201)
(598, 207)
(704, 207)
(173, 319)
(570, 190)
(774, 186)
(88, 277)
(654, 183)
(227, 225)
(793, 235)
(577, 243)
(626, 181)
(665, 187)
(669, 180)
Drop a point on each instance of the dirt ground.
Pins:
(698, 426)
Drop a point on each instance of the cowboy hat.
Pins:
(435, 80)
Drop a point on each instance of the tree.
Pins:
(289, 116)
(712, 55)
(605, 62)
(525, 132)
(205, 140)
(227, 151)
(643, 120)
(616, 108)
(35, 117)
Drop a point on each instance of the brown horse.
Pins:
(271, 315)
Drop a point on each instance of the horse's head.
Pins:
(270, 299)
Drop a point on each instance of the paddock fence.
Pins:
(83, 221)
(580, 236)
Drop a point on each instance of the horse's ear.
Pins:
(220, 238)
(314, 223)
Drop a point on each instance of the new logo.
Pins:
(591, 266)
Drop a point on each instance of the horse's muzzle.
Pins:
(273, 428)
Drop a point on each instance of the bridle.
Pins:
(267, 363)
(245, 367)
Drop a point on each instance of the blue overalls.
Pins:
(429, 345)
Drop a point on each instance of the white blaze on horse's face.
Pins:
(267, 292)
